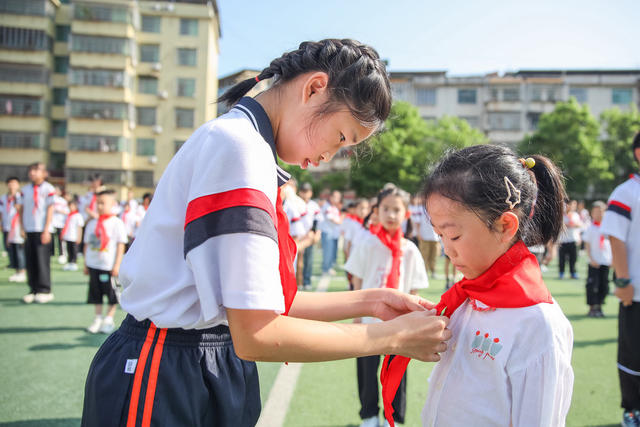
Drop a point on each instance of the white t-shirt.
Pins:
(89, 200)
(60, 211)
(599, 249)
(572, 227)
(426, 232)
(622, 221)
(371, 261)
(74, 230)
(311, 215)
(129, 217)
(331, 221)
(415, 212)
(34, 217)
(296, 225)
(106, 258)
(511, 366)
(208, 241)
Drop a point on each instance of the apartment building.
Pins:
(507, 107)
(112, 86)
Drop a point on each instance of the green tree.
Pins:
(405, 150)
(620, 127)
(569, 136)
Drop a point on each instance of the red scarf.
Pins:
(597, 224)
(375, 228)
(394, 243)
(92, 204)
(513, 281)
(13, 230)
(287, 249)
(101, 233)
(66, 223)
(35, 197)
(355, 218)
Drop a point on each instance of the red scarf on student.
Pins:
(513, 281)
(10, 200)
(92, 204)
(597, 224)
(394, 243)
(287, 249)
(66, 223)
(355, 218)
(35, 197)
(101, 233)
(373, 229)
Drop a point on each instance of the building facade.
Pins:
(111, 87)
(508, 107)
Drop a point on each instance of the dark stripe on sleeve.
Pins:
(236, 219)
(619, 210)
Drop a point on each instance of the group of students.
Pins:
(37, 214)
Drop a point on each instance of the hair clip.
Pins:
(257, 79)
(528, 162)
(512, 193)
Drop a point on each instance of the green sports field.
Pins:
(45, 354)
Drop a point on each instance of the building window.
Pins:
(149, 53)
(186, 87)
(147, 84)
(143, 179)
(31, 7)
(426, 96)
(24, 39)
(146, 116)
(151, 23)
(79, 176)
(532, 120)
(188, 27)
(61, 64)
(93, 77)
(579, 93)
(100, 44)
(535, 93)
(184, 118)
(60, 95)
(146, 147)
(495, 94)
(473, 121)
(467, 96)
(177, 144)
(86, 12)
(62, 33)
(511, 94)
(186, 56)
(23, 73)
(504, 121)
(20, 106)
(101, 143)
(58, 128)
(21, 140)
(99, 110)
(19, 171)
(621, 96)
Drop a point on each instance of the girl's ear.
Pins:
(507, 225)
(314, 84)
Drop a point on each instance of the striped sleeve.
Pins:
(617, 218)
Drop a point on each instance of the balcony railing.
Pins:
(100, 110)
(21, 106)
(23, 73)
(99, 143)
(24, 39)
(80, 176)
(28, 7)
(104, 78)
(101, 44)
(22, 140)
(104, 13)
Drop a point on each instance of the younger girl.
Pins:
(509, 361)
(385, 260)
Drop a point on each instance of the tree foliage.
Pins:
(405, 150)
(619, 128)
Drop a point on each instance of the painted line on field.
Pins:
(277, 405)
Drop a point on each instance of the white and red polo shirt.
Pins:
(209, 239)
(36, 199)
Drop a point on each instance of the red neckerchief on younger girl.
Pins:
(101, 233)
(355, 218)
(66, 223)
(92, 203)
(35, 197)
(597, 224)
(513, 281)
(394, 243)
(287, 249)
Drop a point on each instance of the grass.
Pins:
(45, 354)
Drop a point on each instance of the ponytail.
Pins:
(548, 208)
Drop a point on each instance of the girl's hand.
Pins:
(420, 335)
(393, 303)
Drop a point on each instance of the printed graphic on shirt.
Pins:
(484, 345)
(94, 243)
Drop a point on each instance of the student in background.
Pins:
(311, 220)
(8, 203)
(598, 250)
(72, 235)
(60, 212)
(14, 232)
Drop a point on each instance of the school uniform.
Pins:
(129, 217)
(496, 372)
(330, 227)
(371, 261)
(310, 220)
(71, 234)
(597, 277)
(9, 211)
(60, 212)
(214, 237)
(569, 240)
(622, 221)
(36, 200)
(15, 240)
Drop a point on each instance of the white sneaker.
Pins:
(107, 325)
(62, 259)
(65, 267)
(13, 277)
(370, 422)
(28, 298)
(43, 298)
(95, 326)
(20, 277)
(73, 267)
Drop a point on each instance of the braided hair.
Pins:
(357, 78)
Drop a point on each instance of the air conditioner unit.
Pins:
(163, 94)
(170, 7)
(157, 6)
(157, 129)
(156, 66)
(153, 160)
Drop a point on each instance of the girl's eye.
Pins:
(455, 238)
(342, 138)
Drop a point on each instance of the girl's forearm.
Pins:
(331, 306)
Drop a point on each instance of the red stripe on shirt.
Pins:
(239, 197)
(620, 205)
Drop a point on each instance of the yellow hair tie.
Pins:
(529, 162)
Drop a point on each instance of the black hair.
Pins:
(147, 196)
(36, 165)
(12, 178)
(106, 192)
(476, 178)
(357, 78)
(634, 145)
(390, 189)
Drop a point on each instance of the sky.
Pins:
(462, 37)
